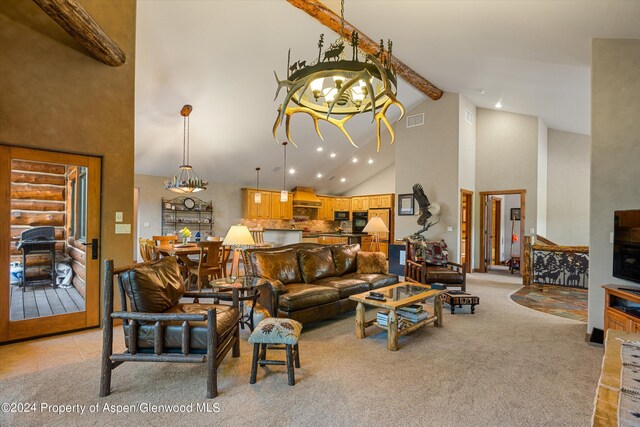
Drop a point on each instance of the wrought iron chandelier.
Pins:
(186, 180)
(331, 85)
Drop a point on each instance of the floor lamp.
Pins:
(237, 236)
(376, 226)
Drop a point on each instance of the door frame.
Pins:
(496, 228)
(484, 196)
(42, 326)
(468, 246)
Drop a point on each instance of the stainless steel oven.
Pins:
(359, 221)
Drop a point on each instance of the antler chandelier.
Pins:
(186, 180)
(334, 86)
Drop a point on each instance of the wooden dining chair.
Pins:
(258, 235)
(208, 263)
(147, 249)
(165, 240)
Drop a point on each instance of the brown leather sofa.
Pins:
(310, 282)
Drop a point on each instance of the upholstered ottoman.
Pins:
(460, 298)
(275, 333)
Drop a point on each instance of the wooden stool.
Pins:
(276, 334)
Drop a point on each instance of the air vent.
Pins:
(276, 169)
(415, 120)
(468, 116)
(332, 178)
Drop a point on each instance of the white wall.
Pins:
(382, 182)
(615, 156)
(506, 159)
(467, 160)
(227, 205)
(541, 218)
(568, 171)
(428, 155)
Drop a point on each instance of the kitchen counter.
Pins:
(282, 236)
(337, 238)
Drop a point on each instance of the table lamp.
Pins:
(237, 236)
(376, 226)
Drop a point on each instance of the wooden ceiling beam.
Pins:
(331, 20)
(84, 29)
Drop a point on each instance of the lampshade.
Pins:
(238, 235)
(376, 225)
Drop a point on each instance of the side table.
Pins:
(248, 290)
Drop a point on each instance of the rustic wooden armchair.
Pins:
(451, 274)
(158, 328)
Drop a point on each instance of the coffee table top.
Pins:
(398, 295)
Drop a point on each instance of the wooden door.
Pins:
(43, 188)
(466, 228)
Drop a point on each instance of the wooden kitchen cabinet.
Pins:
(281, 210)
(342, 204)
(381, 201)
(325, 213)
(620, 312)
(360, 203)
(252, 210)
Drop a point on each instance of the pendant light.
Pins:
(186, 180)
(284, 194)
(257, 198)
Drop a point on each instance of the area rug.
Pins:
(505, 365)
(569, 303)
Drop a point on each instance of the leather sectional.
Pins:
(309, 282)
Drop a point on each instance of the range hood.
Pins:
(305, 197)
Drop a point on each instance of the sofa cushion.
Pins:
(226, 318)
(371, 262)
(345, 286)
(316, 264)
(344, 257)
(303, 295)
(444, 275)
(434, 253)
(280, 265)
(155, 287)
(375, 281)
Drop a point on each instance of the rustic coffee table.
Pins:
(397, 296)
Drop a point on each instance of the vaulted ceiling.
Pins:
(219, 56)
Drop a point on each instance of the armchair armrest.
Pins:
(158, 317)
(461, 267)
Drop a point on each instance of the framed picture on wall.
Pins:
(515, 214)
(405, 204)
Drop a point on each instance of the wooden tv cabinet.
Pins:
(621, 308)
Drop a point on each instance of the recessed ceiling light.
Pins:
(499, 104)
(343, 179)
(370, 161)
(319, 149)
(354, 160)
(319, 175)
(332, 155)
(292, 171)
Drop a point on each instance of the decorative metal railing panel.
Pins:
(560, 266)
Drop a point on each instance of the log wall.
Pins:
(75, 249)
(37, 198)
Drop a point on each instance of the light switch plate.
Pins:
(123, 228)
(449, 228)
(146, 224)
(611, 237)
(532, 231)
(118, 216)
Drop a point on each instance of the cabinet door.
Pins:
(385, 201)
(276, 206)
(286, 209)
(329, 205)
(615, 321)
(322, 210)
(384, 247)
(249, 208)
(374, 202)
(264, 208)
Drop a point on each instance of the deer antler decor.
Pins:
(332, 85)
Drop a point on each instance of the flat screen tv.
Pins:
(626, 245)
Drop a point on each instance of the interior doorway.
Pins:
(466, 228)
(502, 215)
(49, 264)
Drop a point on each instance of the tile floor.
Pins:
(564, 302)
(31, 356)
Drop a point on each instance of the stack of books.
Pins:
(383, 317)
(414, 313)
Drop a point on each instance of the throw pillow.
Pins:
(344, 257)
(316, 264)
(281, 265)
(154, 288)
(434, 253)
(371, 263)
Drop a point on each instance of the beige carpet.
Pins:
(505, 365)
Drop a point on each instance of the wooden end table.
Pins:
(398, 296)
